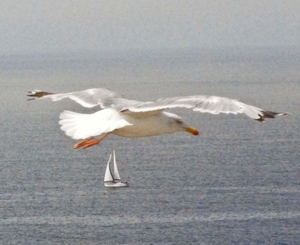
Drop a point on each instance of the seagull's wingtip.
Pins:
(37, 93)
(270, 114)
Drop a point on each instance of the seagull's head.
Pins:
(175, 123)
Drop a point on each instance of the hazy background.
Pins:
(33, 26)
(238, 183)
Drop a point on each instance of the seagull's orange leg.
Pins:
(90, 142)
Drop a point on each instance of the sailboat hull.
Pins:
(116, 184)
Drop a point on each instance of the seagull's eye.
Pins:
(178, 121)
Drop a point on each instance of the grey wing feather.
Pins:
(207, 104)
(88, 98)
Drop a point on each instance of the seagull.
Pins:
(132, 118)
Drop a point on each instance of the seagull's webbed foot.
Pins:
(89, 142)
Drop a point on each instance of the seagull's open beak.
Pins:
(192, 131)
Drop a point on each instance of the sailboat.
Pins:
(112, 177)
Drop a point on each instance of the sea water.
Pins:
(236, 183)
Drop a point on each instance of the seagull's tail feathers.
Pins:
(82, 126)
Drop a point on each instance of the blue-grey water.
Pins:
(237, 183)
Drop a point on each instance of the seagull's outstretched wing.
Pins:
(88, 98)
(209, 104)
(202, 103)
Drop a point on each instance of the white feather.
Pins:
(82, 126)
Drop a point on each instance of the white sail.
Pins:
(111, 176)
(108, 176)
(116, 174)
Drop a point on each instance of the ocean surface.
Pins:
(237, 183)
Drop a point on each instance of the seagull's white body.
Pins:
(131, 118)
(81, 126)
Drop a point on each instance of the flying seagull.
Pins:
(131, 118)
